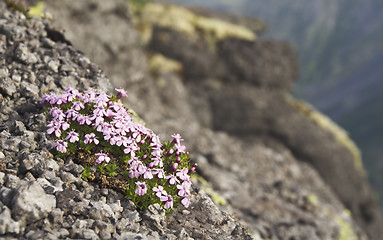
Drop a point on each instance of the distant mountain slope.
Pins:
(339, 44)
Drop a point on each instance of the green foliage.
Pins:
(17, 5)
(87, 173)
(111, 169)
(137, 5)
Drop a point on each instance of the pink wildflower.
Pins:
(60, 145)
(72, 136)
(102, 157)
(78, 106)
(141, 188)
(121, 93)
(186, 201)
(148, 174)
(182, 174)
(160, 191)
(172, 179)
(176, 138)
(183, 189)
(168, 201)
(89, 138)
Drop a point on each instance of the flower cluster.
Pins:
(97, 124)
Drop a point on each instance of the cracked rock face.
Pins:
(42, 197)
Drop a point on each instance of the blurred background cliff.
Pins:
(340, 49)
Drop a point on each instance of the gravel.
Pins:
(43, 197)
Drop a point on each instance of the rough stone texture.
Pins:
(30, 202)
(266, 189)
(42, 197)
(268, 64)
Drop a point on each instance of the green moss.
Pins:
(33, 11)
(187, 22)
(217, 199)
(339, 134)
(137, 5)
(159, 63)
(313, 199)
(37, 10)
(135, 117)
(345, 231)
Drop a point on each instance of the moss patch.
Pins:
(339, 134)
(217, 199)
(38, 10)
(345, 231)
(160, 64)
(313, 199)
(185, 21)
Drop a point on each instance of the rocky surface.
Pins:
(264, 191)
(42, 197)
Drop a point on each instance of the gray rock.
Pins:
(56, 216)
(36, 122)
(55, 181)
(2, 156)
(38, 163)
(7, 86)
(155, 217)
(182, 234)
(4, 72)
(25, 146)
(16, 78)
(6, 195)
(134, 236)
(64, 233)
(81, 224)
(18, 127)
(30, 203)
(29, 89)
(11, 181)
(68, 177)
(48, 187)
(82, 208)
(116, 208)
(29, 177)
(23, 54)
(123, 223)
(28, 162)
(53, 65)
(66, 82)
(35, 234)
(89, 234)
(73, 168)
(100, 210)
(7, 224)
(11, 144)
(2, 175)
(101, 226)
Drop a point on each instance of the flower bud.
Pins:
(192, 169)
(175, 166)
